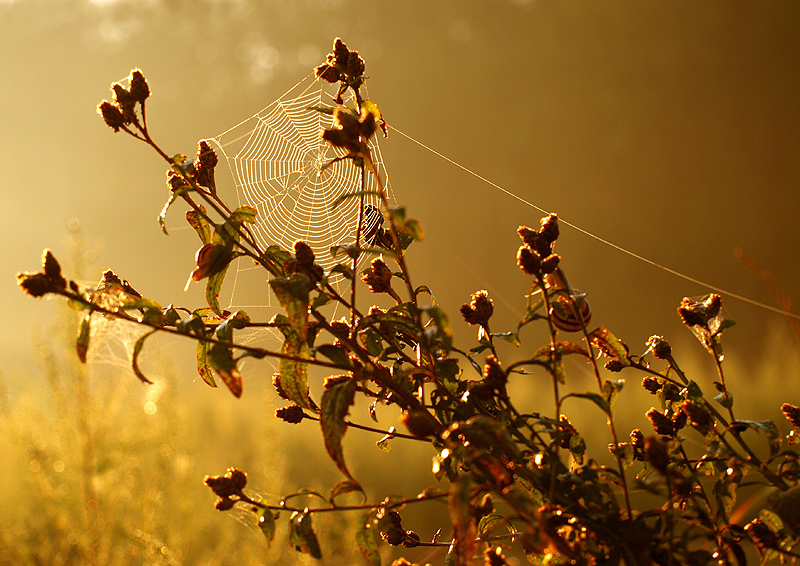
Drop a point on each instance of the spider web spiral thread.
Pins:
(276, 158)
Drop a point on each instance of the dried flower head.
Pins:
(652, 384)
(378, 277)
(138, 85)
(125, 102)
(697, 415)
(494, 557)
(528, 261)
(662, 424)
(660, 347)
(112, 115)
(792, 414)
(479, 310)
(36, 285)
(292, 414)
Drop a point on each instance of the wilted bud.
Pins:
(378, 277)
(206, 156)
(418, 423)
(52, 269)
(238, 477)
(550, 263)
(224, 504)
(566, 431)
(138, 85)
(651, 384)
(112, 115)
(700, 313)
(637, 442)
(125, 101)
(662, 424)
(679, 420)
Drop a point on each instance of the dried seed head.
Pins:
(550, 263)
(660, 347)
(340, 52)
(125, 101)
(565, 431)
(614, 365)
(697, 415)
(792, 414)
(651, 384)
(549, 228)
(238, 477)
(378, 277)
(327, 73)
(303, 253)
(479, 310)
(529, 262)
(762, 536)
(224, 504)
(637, 443)
(112, 115)
(206, 156)
(700, 313)
(662, 424)
(355, 65)
(679, 420)
(292, 414)
(138, 84)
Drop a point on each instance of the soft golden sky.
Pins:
(671, 129)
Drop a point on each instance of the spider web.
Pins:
(278, 163)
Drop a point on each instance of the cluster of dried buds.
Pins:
(535, 257)
(228, 488)
(122, 111)
(49, 280)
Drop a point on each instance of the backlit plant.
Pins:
(513, 481)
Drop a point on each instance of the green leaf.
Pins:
(510, 337)
(597, 399)
(84, 333)
(276, 258)
(487, 523)
(200, 224)
(213, 288)
(344, 487)
(694, 392)
(336, 354)
(292, 293)
(238, 320)
(336, 403)
(221, 359)
(444, 330)
(266, 522)
(203, 367)
(414, 229)
(610, 391)
(301, 535)
(365, 540)
(244, 213)
(137, 349)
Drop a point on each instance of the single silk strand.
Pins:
(598, 238)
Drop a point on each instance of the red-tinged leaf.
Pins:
(365, 540)
(610, 345)
(244, 213)
(137, 349)
(266, 522)
(213, 288)
(203, 367)
(463, 522)
(292, 293)
(84, 332)
(336, 403)
(200, 224)
(345, 487)
(301, 535)
(221, 359)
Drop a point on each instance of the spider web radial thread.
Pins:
(276, 158)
